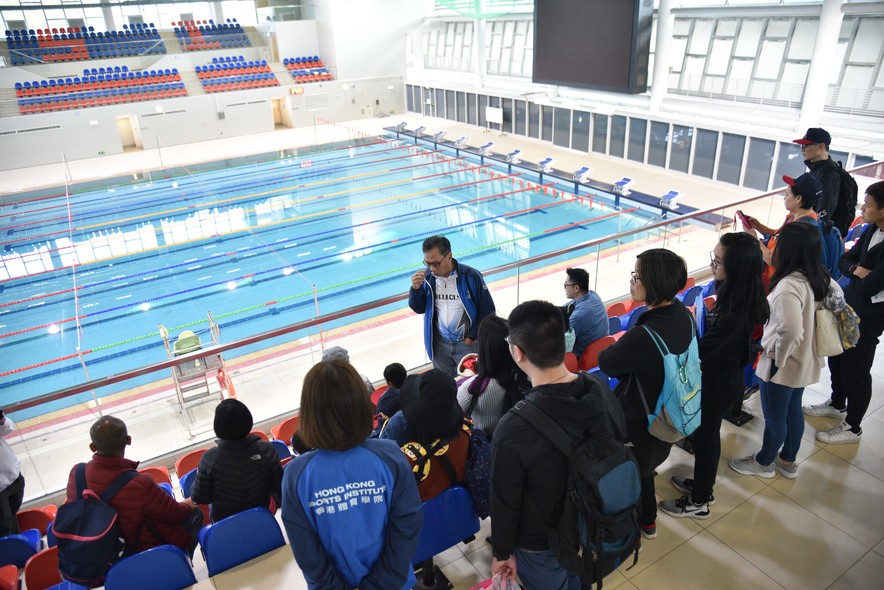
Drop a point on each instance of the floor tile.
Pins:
(867, 573)
(792, 545)
(868, 454)
(848, 498)
(462, 574)
(699, 564)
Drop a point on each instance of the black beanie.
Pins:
(429, 402)
(233, 420)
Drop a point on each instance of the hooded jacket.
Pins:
(529, 475)
(473, 293)
(237, 475)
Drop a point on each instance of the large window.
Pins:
(618, 135)
(680, 148)
(580, 133)
(758, 164)
(547, 123)
(521, 114)
(534, 120)
(790, 161)
(730, 161)
(638, 129)
(600, 133)
(562, 127)
(704, 154)
(658, 143)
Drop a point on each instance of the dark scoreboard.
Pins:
(598, 44)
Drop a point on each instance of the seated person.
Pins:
(441, 440)
(498, 384)
(586, 312)
(394, 375)
(351, 507)
(147, 516)
(242, 471)
(338, 353)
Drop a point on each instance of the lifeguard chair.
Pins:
(200, 378)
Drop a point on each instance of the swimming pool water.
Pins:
(251, 241)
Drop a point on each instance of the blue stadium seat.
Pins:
(165, 566)
(239, 538)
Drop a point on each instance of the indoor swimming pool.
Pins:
(89, 271)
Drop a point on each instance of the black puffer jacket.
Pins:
(237, 475)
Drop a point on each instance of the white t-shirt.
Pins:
(452, 321)
(10, 467)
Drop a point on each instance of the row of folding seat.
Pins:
(35, 54)
(228, 59)
(302, 78)
(298, 63)
(201, 44)
(92, 83)
(101, 98)
(240, 82)
(62, 39)
(215, 71)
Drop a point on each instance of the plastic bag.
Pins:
(500, 582)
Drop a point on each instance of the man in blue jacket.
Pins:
(454, 300)
(586, 312)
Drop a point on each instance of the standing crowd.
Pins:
(419, 439)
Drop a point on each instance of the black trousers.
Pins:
(10, 501)
(707, 452)
(851, 372)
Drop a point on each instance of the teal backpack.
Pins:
(677, 414)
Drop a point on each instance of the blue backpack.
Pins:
(87, 533)
(598, 530)
(833, 247)
(677, 413)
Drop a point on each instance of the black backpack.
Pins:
(87, 533)
(848, 195)
(598, 529)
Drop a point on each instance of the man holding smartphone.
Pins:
(12, 482)
(454, 300)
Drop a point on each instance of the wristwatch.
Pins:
(852, 268)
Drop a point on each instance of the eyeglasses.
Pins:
(634, 277)
(805, 146)
(713, 261)
(566, 285)
(429, 264)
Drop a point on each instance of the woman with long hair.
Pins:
(636, 361)
(788, 363)
(498, 383)
(350, 506)
(725, 350)
(852, 370)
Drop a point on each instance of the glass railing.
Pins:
(168, 410)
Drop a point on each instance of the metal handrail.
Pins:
(290, 328)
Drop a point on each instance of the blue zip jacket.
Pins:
(353, 517)
(474, 296)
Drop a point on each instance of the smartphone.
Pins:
(744, 220)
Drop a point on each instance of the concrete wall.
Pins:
(366, 38)
(72, 135)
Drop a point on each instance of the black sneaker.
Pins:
(739, 419)
(685, 485)
(685, 508)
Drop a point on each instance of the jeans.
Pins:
(10, 502)
(783, 422)
(540, 570)
(447, 355)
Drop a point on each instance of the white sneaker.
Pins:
(825, 410)
(840, 435)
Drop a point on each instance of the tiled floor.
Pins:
(824, 529)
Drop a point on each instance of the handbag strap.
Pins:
(472, 389)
